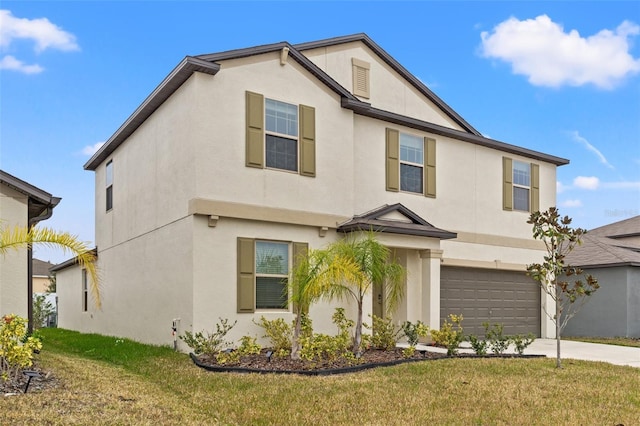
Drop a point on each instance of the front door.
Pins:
(378, 301)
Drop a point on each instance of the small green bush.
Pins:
(449, 337)
(385, 333)
(414, 332)
(280, 334)
(248, 346)
(522, 342)
(203, 342)
(479, 346)
(16, 347)
(317, 347)
(498, 341)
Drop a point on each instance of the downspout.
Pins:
(48, 212)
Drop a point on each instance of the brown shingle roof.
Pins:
(624, 228)
(41, 268)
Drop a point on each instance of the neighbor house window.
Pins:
(520, 185)
(411, 163)
(85, 291)
(272, 271)
(281, 126)
(109, 185)
(280, 135)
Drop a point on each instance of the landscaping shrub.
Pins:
(449, 337)
(522, 342)
(479, 346)
(385, 333)
(280, 334)
(248, 346)
(498, 342)
(317, 346)
(16, 347)
(207, 343)
(414, 332)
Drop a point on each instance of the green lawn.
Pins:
(104, 380)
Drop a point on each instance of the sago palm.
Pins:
(23, 237)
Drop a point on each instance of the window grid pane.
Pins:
(281, 153)
(411, 178)
(272, 258)
(411, 149)
(520, 199)
(521, 173)
(281, 117)
(109, 173)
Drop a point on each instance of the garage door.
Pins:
(507, 297)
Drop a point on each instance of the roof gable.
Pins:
(41, 203)
(394, 219)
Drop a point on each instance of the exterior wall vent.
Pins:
(361, 77)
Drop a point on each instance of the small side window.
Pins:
(109, 185)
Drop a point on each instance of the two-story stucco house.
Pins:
(262, 152)
(22, 205)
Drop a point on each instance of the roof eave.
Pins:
(162, 92)
(365, 109)
(440, 234)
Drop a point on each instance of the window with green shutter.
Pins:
(520, 186)
(410, 163)
(280, 135)
(263, 273)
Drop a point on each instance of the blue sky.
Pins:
(558, 77)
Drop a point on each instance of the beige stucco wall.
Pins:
(388, 90)
(13, 264)
(40, 284)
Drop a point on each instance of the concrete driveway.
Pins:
(618, 355)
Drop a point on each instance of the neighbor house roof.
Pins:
(605, 246)
(40, 267)
(71, 262)
(41, 203)
(394, 219)
(208, 64)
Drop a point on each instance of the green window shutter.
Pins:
(430, 167)
(307, 141)
(393, 160)
(507, 183)
(246, 275)
(299, 249)
(535, 188)
(255, 130)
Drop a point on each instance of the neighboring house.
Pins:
(41, 275)
(239, 160)
(610, 253)
(24, 205)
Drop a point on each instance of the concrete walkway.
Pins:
(569, 349)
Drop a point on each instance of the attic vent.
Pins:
(361, 78)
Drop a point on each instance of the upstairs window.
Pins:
(281, 126)
(411, 163)
(109, 185)
(280, 135)
(520, 185)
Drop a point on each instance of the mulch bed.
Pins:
(285, 365)
(44, 381)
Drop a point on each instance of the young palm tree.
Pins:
(313, 273)
(24, 237)
(373, 266)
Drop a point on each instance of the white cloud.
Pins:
(560, 188)
(44, 34)
(571, 203)
(541, 50)
(11, 63)
(576, 137)
(586, 182)
(89, 150)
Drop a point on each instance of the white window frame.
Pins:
(284, 276)
(411, 163)
(294, 138)
(523, 166)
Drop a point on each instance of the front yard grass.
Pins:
(112, 381)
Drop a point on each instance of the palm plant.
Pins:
(374, 265)
(25, 237)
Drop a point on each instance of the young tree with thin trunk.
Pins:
(560, 281)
